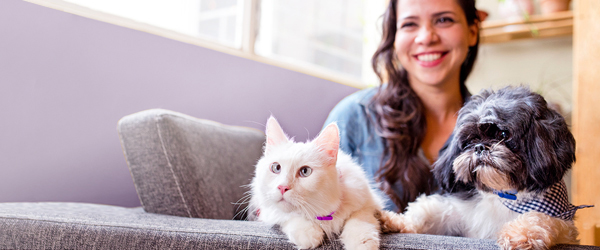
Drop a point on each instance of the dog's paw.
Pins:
(520, 242)
(535, 230)
(523, 236)
(394, 223)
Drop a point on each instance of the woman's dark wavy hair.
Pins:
(400, 114)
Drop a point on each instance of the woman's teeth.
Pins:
(429, 57)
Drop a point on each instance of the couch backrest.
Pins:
(189, 167)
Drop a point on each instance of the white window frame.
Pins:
(249, 27)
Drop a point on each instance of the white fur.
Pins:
(479, 217)
(340, 185)
(482, 216)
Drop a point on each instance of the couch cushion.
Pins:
(186, 166)
(82, 226)
(90, 226)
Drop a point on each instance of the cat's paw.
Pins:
(361, 231)
(361, 239)
(369, 244)
(307, 237)
(394, 223)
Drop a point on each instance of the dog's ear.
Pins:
(550, 147)
(443, 168)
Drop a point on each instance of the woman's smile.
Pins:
(430, 59)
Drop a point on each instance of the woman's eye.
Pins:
(445, 21)
(275, 167)
(305, 171)
(406, 25)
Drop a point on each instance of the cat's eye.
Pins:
(275, 167)
(305, 171)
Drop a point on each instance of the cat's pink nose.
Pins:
(283, 189)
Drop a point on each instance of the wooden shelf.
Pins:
(538, 26)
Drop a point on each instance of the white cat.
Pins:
(313, 189)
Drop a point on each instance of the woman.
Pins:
(395, 131)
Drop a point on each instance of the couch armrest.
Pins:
(186, 166)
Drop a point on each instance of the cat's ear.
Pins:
(275, 134)
(328, 141)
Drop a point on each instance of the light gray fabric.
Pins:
(56, 225)
(91, 226)
(186, 166)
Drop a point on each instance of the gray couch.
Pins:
(189, 174)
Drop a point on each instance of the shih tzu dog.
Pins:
(501, 176)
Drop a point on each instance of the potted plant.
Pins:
(552, 6)
(515, 9)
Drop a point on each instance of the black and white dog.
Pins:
(501, 176)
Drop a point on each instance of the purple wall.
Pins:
(66, 80)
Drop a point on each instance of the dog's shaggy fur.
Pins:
(507, 140)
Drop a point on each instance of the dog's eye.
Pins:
(502, 135)
(469, 141)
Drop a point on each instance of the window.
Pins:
(215, 20)
(328, 34)
(333, 39)
(221, 20)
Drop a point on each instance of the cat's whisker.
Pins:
(240, 213)
(242, 201)
(307, 132)
(307, 208)
(257, 123)
(302, 204)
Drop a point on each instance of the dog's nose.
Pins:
(479, 148)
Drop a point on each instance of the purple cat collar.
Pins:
(327, 217)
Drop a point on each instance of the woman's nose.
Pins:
(426, 35)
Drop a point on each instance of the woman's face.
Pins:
(432, 40)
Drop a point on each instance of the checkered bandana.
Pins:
(554, 202)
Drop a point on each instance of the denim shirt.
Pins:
(359, 137)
